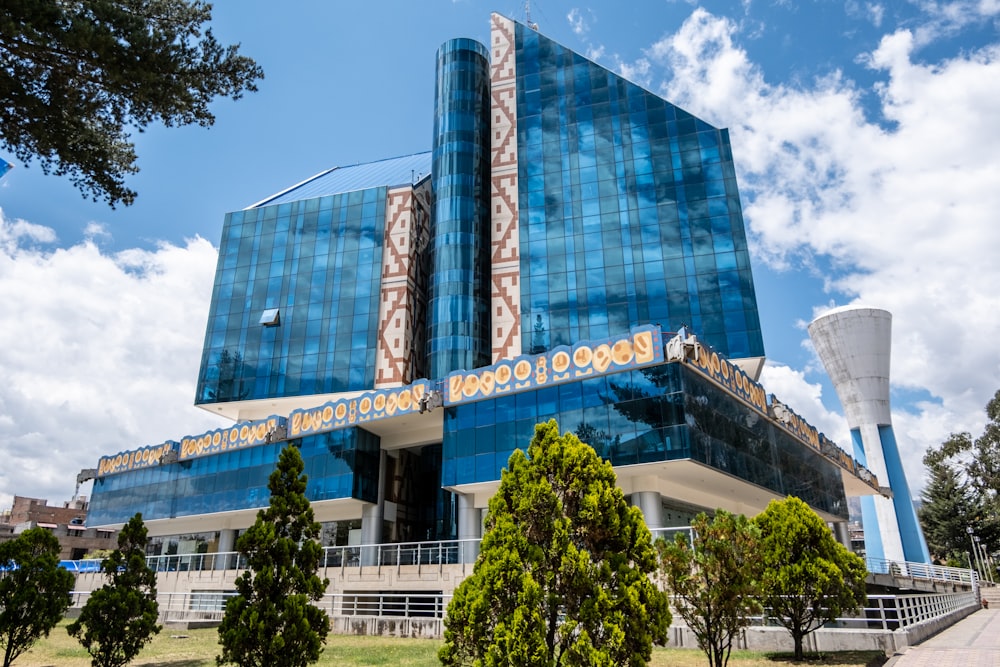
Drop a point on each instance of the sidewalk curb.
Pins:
(894, 658)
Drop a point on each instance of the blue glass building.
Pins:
(407, 322)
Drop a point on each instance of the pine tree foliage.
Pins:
(714, 580)
(272, 622)
(808, 577)
(943, 511)
(977, 462)
(34, 590)
(76, 76)
(948, 508)
(562, 577)
(119, 618)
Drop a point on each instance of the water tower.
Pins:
(854, 342)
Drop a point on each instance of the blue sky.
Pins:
(864, 133)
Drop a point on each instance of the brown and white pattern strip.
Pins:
(396, 299)
(506, 260)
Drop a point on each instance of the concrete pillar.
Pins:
(470, 527)
(842, 534)
(371, 520)
(651, 504)
(227, 543)
(371, 534)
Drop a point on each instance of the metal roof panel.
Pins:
(390, 172)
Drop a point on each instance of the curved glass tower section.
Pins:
(459, 327)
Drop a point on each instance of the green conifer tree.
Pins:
(119, 618)
(34, 590)
(808, 577)
(714, 580)
(272, 621)
(975, 465)
(562, 577)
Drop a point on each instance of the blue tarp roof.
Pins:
(390, 172)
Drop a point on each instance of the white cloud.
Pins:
(99, 354)
(96, 231)
(595, 52)
(876, 13)
(943, 19)
(872, 12)
(637, 72)
(904, 207)
(577, 22)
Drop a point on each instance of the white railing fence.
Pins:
(450, 552)
(210, 605)
(880, 612)
(921, 571)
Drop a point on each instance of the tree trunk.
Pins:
(797, 638)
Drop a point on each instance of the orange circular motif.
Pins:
(471, 385)
(502, 374)
(582, 356)
(379, 402)
(560, 361)
(486, 382)
(602, 357)
(522, 370)
(622, 353)
(341, 411)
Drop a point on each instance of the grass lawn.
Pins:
(198, 648)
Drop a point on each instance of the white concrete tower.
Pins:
(854, 343)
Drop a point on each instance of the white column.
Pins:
(371, 533)
(371, 520)
(842, 534)
(227, 543)
(470, 527)
(651, 504)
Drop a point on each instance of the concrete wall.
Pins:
(775, 639)
(416, 628)
(443, 578)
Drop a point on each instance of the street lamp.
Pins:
(975, 551)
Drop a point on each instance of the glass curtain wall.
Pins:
(629, 210)
(339, 464)
(459, 326)
(295, 305)
(661, 413)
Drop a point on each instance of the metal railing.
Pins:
(210, 605)
(668, 533)
(450, 552)
(880, 612)
(444, 552)
(921, 571)
(893, 612)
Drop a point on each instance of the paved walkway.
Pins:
(972, 642)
